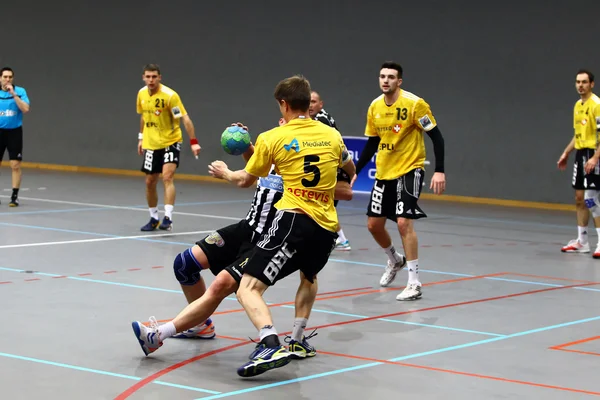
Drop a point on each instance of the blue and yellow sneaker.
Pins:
(167, 224)
(264, 358)
(302, 349)
(150, 226)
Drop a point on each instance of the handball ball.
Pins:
(235, 140)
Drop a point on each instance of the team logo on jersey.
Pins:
(377, 115)
(425, 122)
(584, 122)
(215, 238)
(293, 145)
(397, 128)
(157, 112)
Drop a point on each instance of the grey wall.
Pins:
(499, 77)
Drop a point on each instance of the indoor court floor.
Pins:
(504, 314)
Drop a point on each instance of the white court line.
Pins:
(12, 246)
(77, 203)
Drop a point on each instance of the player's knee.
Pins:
(223, 286)
(405, 226)
(151, 180)
(592, 201)
(168, 176)
(187, 269)
(375, 225)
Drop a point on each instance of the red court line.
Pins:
(560, 346)
(2, 283)
(508, 296)
(449, 371)
(156, 375)
(344, 291)
(548, 277)
(589, 353)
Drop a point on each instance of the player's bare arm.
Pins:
(240, 178)
(140, 137)
(562, 161)
(189, 128)
(24, 107)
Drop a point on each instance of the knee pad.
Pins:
(187, 269)
(592, 201)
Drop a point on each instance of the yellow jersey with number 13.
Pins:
(400, 127)
(586, 122)
(307, 154)
(161, 113)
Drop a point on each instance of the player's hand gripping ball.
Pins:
(235, 140)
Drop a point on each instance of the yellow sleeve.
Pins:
(344, 153)
(177, 108)
(139, 104)
(370, 128)
(262, 160)
(423, 116)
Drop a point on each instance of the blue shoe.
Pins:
(166, 225)
(302, 349)
(264, 358)
(150, 226)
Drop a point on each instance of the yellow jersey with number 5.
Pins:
(161, 113)
(400, 127)
(307, 154)
(586, 122)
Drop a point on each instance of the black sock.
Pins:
(271, 341)
(15, 194)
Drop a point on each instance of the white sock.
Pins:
(298, 331)
(413, 271)
(153, 212)
(582, 234)
(392, 254)
(267, 330)
(598, 233)
(169, 211)
(166, 330)
(342, 237)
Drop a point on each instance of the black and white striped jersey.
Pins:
(268, 192)
(324, 117)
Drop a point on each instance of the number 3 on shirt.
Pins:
(311, 169)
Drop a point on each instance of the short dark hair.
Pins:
(589, 74)
(392, 65)
(151, 67)
(7, 69)
(295, 91)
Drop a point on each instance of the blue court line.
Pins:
(67, 210)
(402, 322)
(397, 359)
(44, 228)
(100, 372)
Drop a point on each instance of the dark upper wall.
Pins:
(500, 79)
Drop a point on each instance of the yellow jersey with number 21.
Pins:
(306, 154)
(161, 113)
(400, 127)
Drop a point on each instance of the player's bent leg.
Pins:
(199, 311)
(298, 344)
(168, 177)
(412, 291)
(15, 166)
(592, 203)
(581, 244)
(269, 353)
(396, 261)
(187, 267)
(152, 199)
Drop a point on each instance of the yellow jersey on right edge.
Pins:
(400, 127)
(307, 154)
(586, 121)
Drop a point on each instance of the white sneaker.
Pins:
(148, 337)
(205, 330)
(390, 271)
(342, 246)
(575, 246)
(411, 292)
